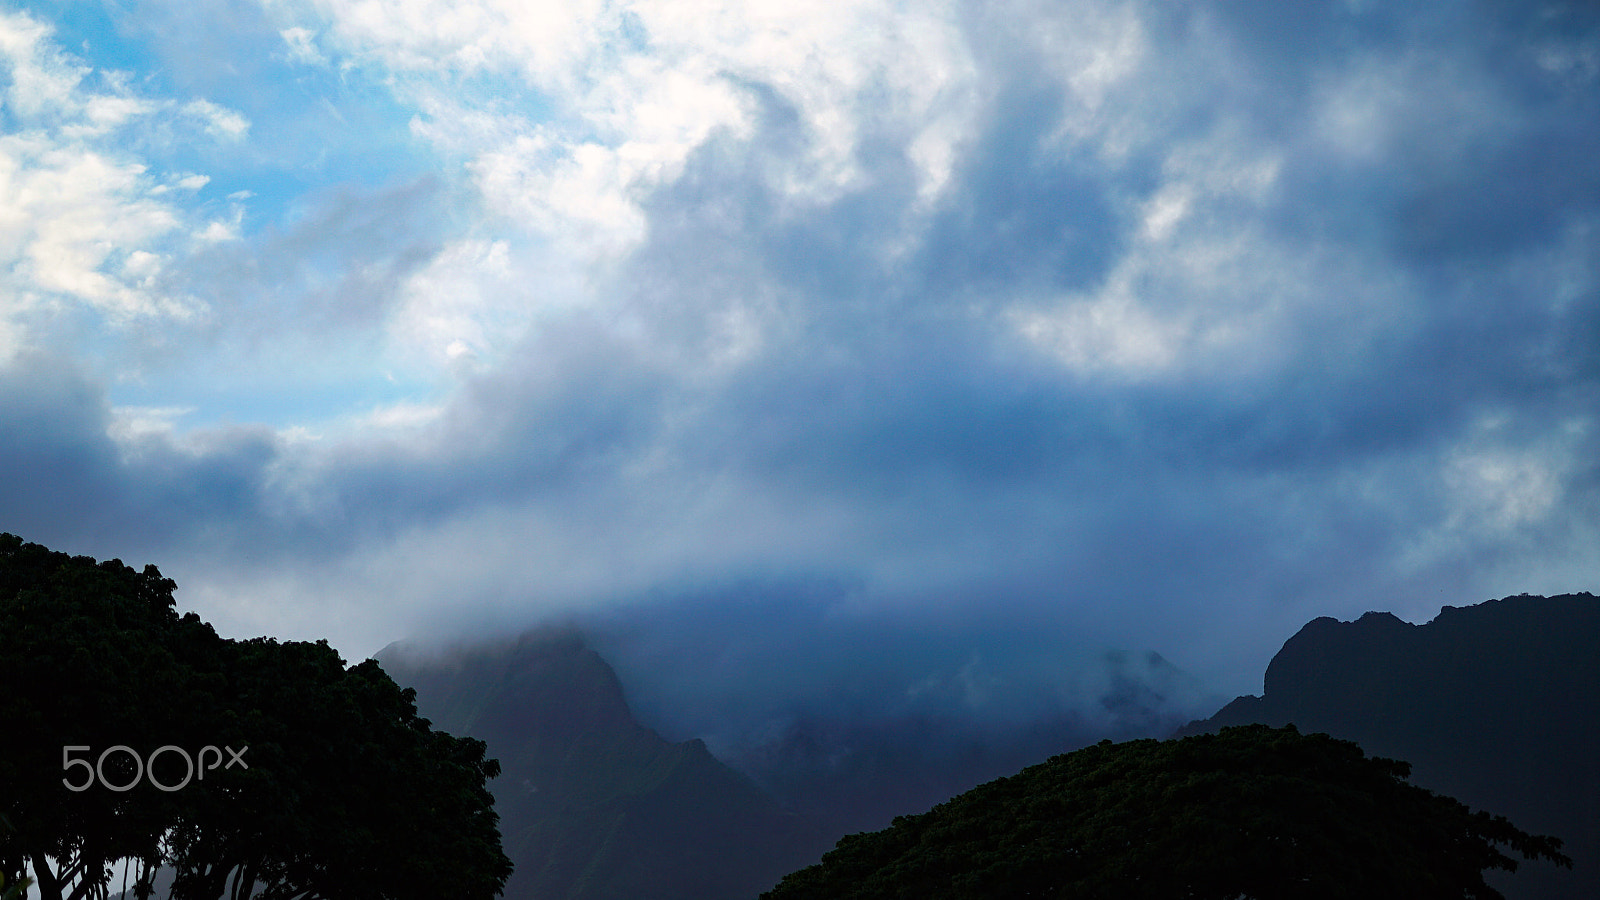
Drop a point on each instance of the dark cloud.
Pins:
(1293, 40)
(335, 266)
(574, 405)
(1261, 485)
(60, 466)
(867, 713)
(71, 486)
(1508, 198)
(1025, 212)
(730, 661)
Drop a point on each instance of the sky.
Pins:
(932, 346)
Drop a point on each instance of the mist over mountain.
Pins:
(777, 741)
(1494, 704)
(593, 805)
(859, 772)
(856, 716)
(817, 727)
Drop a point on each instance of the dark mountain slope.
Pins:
(593, 805)
(1497, 705)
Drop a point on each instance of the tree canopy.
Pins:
(343, 792)
(1250, 812)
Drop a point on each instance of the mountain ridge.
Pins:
(1492, 704)
(593, 805)
(1495, 704)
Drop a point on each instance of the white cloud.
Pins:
(131, 425)
(1416, 103)
(217, 231)
(1165, 209)
(577, 195)
(1091, 48)
(634, 88)
(1202, 287)
(465, 303)
(218, 121)
(565, 116)
(73, 215)
(1111, 332)
(103, 114)
(401, 416)
(83, 219)
(141, 265)
(1504, 500)
(302, 46)
(43, 82)
(848, 69)
(1500, 484)
(1229, 306)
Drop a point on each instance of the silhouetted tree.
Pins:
(1252, 812)
(350, 794)
(85, 660)
(343, 793)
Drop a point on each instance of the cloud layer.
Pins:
(1033, 330)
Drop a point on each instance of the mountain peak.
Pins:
(593, 805)
(1493, 704)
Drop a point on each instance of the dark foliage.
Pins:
(1251, 812)
(348, 794)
